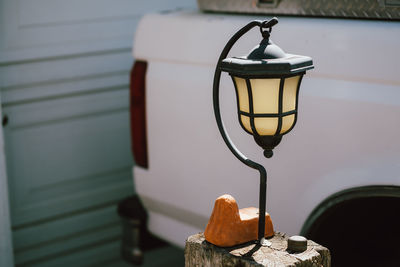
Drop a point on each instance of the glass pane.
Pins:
(266, 126)
(287, 122)
(289, 93)
(246, 123)
(242, 93)
(265, 95)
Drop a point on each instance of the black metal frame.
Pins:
(267, 142)
(238, 107)
(272, 70)
(221, 127)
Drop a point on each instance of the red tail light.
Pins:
(138, 113)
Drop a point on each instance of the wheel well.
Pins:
(360, 226)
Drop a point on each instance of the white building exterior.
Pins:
(64, 85)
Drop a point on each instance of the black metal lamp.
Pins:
(267, 83)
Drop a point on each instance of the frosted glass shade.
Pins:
(267, 106)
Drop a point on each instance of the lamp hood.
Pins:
(266, 50)
(266, 59)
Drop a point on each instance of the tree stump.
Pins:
(199, 252)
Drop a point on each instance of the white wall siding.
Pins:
(37, 29)
(64, 82)
(6, 254)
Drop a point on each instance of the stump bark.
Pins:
(199, 252)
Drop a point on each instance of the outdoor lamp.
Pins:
(267, 83)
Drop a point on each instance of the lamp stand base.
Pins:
(228, 226)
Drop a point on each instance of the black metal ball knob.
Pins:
(268, 153)
(297, 243)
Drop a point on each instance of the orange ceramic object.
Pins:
(228, 226)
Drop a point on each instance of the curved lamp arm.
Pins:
(221, 127)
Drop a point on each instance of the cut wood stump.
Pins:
(199, 252)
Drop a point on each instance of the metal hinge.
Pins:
(268, 3)
(389, 3)
(4, 120)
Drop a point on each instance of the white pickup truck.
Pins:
(335, 178)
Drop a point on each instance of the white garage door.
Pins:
(64, 78)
